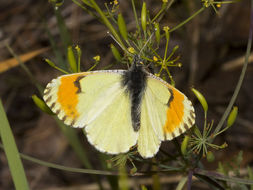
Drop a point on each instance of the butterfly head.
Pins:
(138, 62)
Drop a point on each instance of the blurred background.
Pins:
(211, 49)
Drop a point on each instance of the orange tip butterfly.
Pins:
(119, 109)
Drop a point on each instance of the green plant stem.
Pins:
(64, 33)
(69, 169)
(64, 168)
(205, 124)
(226, 2)
(84, 8)
(221, 177)
(136, 18)
(166, 50)
(58, 54)
(239, 84)
(59, 69)
(181, 183)
(86, 2)
(161, 13)
(158, 14)
(188, 19)
(93, 66)
(92, 171)
(110, 14)
(108, 24)
(27, 71)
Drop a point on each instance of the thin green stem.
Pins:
(239, 84)
(110, 15)
(86, 2)
(158, 14)
(64, 33)
(161, 13)
(90, 69)
(170, 76)
(65, 168)
(84, 8)
(226, 2)
(188, 19)
(108, 24)
(205, 124)
(219, 132)
(181, 183)
(25, 68)
(87, 171)
(166, 50)
(136, 18)
(222, 177)
(59, 69)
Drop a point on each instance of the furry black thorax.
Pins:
(135, 80)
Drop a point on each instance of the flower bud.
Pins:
(41, 104)
(232, 116)
(72, 60)
(144, 17)
(122, 27)
(210, 156)
(185, 144)
(201, 99)
(157, 33)
(115, 52)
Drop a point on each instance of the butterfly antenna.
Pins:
(124, 49)
(146, 43)
(117, 42)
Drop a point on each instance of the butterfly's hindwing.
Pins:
(111, 131)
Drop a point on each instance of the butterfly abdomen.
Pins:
(135, 80)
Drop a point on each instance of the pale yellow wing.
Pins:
(166, 113)
(97, 102)
(148, 141)
(112, 130)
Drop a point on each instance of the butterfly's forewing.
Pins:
(62, 96)
(166, 112)
(97, 102)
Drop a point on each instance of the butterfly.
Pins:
(119, 109)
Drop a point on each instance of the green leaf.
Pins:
(12, 154)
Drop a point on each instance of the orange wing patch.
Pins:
(68, 94)
(175, 112)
